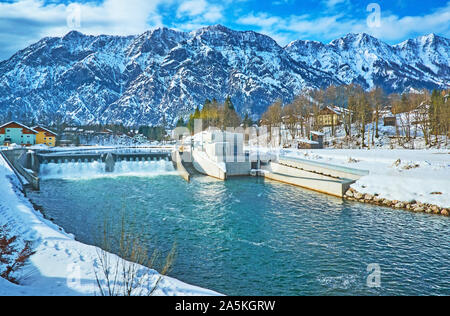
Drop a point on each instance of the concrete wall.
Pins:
(238, 168)
(308, 180)
(18, 160)
(206, 166)
(221, 146)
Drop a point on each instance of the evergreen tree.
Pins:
(197, 113)
(192, 118)
(180, 122)
(228, 104)
(247, 121)
(230, 117)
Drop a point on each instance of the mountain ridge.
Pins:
(163, 74)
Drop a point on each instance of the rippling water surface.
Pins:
(248, 236)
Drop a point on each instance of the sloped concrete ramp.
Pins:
(324, 178)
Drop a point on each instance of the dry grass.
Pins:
(125, 276)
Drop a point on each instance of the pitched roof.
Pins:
(21, 125)
(43, 128)
(335, 109)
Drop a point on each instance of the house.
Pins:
(16, 133)
(45, 136)
(317, 137)
(330, 116)
(304, 143)
(315, 141)
(390, 121)
(70, 130)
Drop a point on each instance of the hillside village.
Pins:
(362, 119)
(408, 121)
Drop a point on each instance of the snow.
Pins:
(307, 141)
(61, 265)
(417, 175)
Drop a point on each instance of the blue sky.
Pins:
(23, 22)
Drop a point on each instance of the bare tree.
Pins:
(273, 118)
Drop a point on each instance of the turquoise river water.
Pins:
(248, 236)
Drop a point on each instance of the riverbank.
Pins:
(61, 265)
(415, 180)
(413, 206)
(405, 179)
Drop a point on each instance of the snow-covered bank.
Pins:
(61, 265)
(403, 175)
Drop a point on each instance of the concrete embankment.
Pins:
(23, 163)
(307, 179)
(316, 176)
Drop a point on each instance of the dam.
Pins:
(30, 165)
(221, 155)
(217, 154)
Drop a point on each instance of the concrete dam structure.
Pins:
(213, 153)
(221, 155)
(31, 165)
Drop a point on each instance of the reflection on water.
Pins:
(247, 236)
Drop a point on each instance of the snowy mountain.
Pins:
(165, 73)
(362, 59)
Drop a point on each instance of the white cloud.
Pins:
(23, 22)
(394, 28)
(262, 20)
(26, 21)
(329, 27)
(333, 3)
(194, 14)
(213, 14)
(192, 8)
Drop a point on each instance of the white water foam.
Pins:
(89, 170)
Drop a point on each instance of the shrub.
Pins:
(11, 259)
